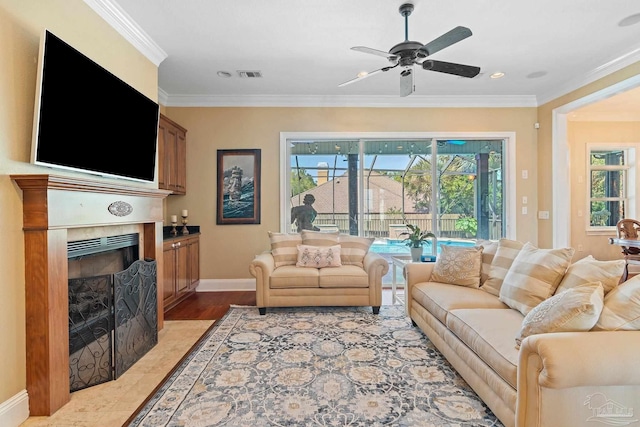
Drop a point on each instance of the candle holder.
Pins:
(185, 230)
(174, 231)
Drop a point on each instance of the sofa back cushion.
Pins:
(353, 249)
(506, 252)
(534, 276)
(458, 265)
(621, 310)
(589, 269)
(576, 309)
(284, 248)
(319, 238)
(318, 256)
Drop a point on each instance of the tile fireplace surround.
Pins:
(57, 210)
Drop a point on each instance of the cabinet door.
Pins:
(172, 156)
(182, 276)
(194, 262)
(180, 184)
(169, 280)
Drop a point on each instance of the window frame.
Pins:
(509, 164)
(629, 199)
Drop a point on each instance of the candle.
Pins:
(185, 212)
(174, 218)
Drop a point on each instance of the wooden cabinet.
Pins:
(172, 156)
(181, 257)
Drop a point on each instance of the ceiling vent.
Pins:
(250, 74)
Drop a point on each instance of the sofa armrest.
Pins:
(560, 372)
(261, 268)
(376, 267)
(414, 273)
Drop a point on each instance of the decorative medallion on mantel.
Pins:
(120, 208)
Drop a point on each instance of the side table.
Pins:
(397, 261)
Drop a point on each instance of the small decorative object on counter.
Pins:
(174, 223)
(185, 214)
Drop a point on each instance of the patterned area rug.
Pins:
(315, 367)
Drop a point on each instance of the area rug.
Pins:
(314, 367)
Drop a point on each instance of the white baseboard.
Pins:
(217, 285)
(15, 411)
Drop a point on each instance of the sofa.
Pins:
(568, 357)
(314, 268)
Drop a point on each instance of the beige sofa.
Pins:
(281, 282)
(562, 379)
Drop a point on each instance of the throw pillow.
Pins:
(319, 238)
(505, 254)
(534, 276)
(488, 253)
(284, 248)
(318, 256)
(621, 310)
(353, 249)
(590, 269)
(576, 309)
(458, 265)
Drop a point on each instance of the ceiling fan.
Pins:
(408, 53)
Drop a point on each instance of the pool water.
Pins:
(390, 246)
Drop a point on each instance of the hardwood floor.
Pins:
(209, 305)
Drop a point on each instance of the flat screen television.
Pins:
(87, 119)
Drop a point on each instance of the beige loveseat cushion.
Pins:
(440, 298)
(290, 276)
(284, 248)
(489, 333)
(347, 276)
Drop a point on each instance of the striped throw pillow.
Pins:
(534, 276)
(319, 238)
(488, 252)
(505, 254)
(353, 249)
(589, 269)
(621, 310)
(284, 248)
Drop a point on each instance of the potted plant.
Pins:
(415, 239)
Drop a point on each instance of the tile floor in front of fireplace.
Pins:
(112, 403)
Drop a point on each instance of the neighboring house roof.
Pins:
(381, 194)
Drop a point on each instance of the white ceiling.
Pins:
(302, 48)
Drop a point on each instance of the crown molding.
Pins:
(414, 101)
(115, 16)
(599, 72)
(628, 116)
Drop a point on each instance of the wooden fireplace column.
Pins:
(51, 205)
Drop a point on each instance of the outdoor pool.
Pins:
(389, 246)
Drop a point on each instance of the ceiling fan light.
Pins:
(362, 74)
(497, 75)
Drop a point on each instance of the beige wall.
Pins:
(579, 134)
(545, 117)
(21, 24)
(227, 250)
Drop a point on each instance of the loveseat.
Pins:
(568, 359)
(318, 269)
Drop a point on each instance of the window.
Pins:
(611, 172)
(371, 187)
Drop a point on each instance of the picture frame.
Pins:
(238, 189)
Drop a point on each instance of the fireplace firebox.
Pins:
(112, 308)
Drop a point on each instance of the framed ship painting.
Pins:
(238, 195)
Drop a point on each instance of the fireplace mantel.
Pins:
(51, 206)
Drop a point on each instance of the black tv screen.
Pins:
(87, 119)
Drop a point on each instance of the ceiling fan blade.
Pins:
(451, 68)
(369, 74)
(361, 77)
(377, 52)
(445, 40)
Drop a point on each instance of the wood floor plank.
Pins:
(209, 305)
